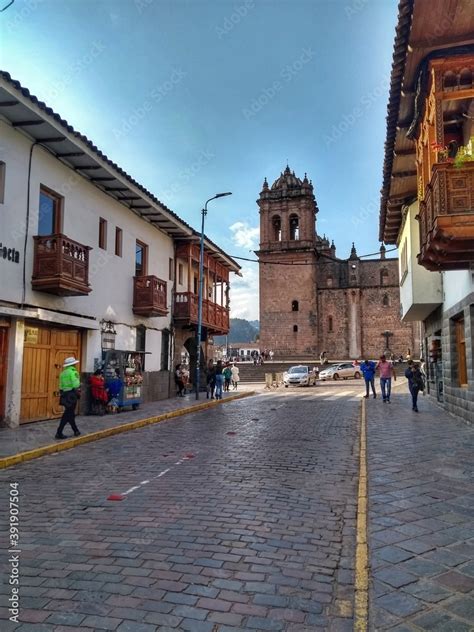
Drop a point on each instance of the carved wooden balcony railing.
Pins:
(60, 266)
(214, 316)
(191, 251)
(149, 296)
(447, 218)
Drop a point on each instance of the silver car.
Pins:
(300, 375)
(342, 371)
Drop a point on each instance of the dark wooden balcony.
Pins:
(60, 266)
(149, 296)
(214, 316)
(447, 218)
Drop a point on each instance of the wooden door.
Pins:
(3, 368)
(44, 352)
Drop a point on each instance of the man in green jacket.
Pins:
(69, 384)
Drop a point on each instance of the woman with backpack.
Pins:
(416, 382)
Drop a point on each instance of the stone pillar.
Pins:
(354, 326)
(14, 373)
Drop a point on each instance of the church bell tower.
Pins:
(287, 266)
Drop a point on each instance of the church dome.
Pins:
(287, 180)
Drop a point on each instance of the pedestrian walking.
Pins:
(178, 380)
(69, 389)
(367, 368)
(386, 372)
(227, 372)
(416, 382)
(235, 376)
(210, 379)
(219, 379)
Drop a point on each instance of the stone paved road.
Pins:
(219, 532)
(421, 502)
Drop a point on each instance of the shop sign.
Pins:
(9, 254)
(31, 335)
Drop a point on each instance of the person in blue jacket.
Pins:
(367, 368)
(416, 382)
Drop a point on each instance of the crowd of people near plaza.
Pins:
(220, 376)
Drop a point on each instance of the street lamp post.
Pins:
(200, 291)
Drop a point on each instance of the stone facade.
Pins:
(311, 300)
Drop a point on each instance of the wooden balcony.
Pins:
(60, 266)
(149, 296)
(214, 316)
(447, 218)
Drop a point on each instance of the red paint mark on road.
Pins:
(115, 497)
(189, 456)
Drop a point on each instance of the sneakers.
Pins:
(375, 396)
(77, 433)
(60, 436)
(366, 397)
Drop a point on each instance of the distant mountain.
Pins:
(241, 330)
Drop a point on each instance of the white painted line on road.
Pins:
(144, 482)
(162, 473)
(129, 491)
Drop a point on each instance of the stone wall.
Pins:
(458, 400)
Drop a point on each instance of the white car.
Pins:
(340, 371)
(299, 376)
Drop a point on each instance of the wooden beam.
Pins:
(52, 139)
(403, 174)
(108, 179)
(404, 152)
(88, 168)
(8, 104)
(71, 154)
(115, 188)
(27, 123)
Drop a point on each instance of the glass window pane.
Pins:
(46, 215)
(139, 260)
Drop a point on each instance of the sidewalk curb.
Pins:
(361, 600)
(36, 453)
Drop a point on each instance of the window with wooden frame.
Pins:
(3, 168)
(50, 216)
(118, 241)
(170, 269)
(102, 233)
(330, 324)
(141, 259)
(180, 273)
(460, 335)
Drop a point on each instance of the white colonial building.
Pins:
(89, 260)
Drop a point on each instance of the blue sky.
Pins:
(193, 97)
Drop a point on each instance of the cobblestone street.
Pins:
(421, 521)
(241, 517)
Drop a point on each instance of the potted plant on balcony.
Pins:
(465, 154)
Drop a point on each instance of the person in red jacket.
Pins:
(98, 392)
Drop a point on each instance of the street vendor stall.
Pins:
(123, 372)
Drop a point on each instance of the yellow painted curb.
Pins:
(361, 604)
(9, 461)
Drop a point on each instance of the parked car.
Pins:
(299, 376)
(340, 371)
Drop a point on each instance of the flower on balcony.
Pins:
(442, 152)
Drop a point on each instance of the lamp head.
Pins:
(218, 195)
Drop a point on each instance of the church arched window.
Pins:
(276, 224)
(386, 300)
(295, 329)
(295, 306)
(383, 276)
(294, 226)
(330, 324)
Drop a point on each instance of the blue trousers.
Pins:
(368, 383)
(219, 384)
(386, 387)
(414, 390)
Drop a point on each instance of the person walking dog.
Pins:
(367, 368)
(69, 385)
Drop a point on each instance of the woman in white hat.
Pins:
(69, 384)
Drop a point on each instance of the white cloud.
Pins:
(245, 236)
(244, 301)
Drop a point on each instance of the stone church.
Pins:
(313, 301)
